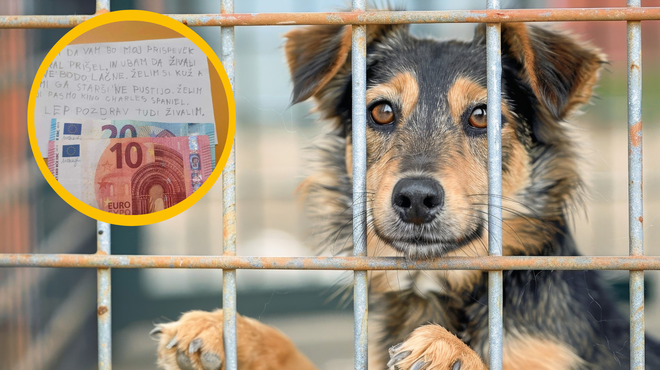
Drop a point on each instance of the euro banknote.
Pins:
(131, 175)
(207, 129)
(85, 129)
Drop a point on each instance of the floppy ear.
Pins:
(319, 55)
(560, 71)
(315, 54)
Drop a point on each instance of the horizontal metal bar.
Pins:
(486, 263)
(377, 17)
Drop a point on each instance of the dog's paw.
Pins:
(192, 343)
(432, 347)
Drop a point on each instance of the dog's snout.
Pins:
(417, 200)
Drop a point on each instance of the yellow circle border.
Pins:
(141, 16)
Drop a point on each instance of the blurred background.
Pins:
(47, 316)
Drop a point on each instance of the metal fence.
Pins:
(636, 263)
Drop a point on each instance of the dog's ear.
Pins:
(315, 54)
(560, 71)
(318, 54)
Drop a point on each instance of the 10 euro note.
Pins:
(86, 129)
(131, 176)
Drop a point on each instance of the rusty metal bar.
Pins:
(378, 17)
(635, 193)
(104, 295)
(104, 280)
(102, 6)
(359, 140)
(229, 208)
(486, 263)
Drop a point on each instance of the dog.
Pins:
(427, 198)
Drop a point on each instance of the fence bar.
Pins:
(635, 183)
(395, 17)
(229, 209)
(486, 263)
(102, 6)
(359, 141)
(104, 295)
(104, 282)
(494, 87)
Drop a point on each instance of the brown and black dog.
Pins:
(427, 198)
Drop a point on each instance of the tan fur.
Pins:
(521, 45)
(402, 88)
(381, 179)
(517, 36)
(525, 352)
(349, 157)
(439, 348)
(260, 347)
(464, 92)
(304, 43)
(436, 346)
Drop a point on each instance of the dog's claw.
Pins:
(156, 331)
(398, 357)
(419, 365)
(184, 361)
(211, 361)
(394, 349)
(172, 343)
(195, 345)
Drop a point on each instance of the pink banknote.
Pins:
(131, 176)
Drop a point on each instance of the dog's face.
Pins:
(427, 151)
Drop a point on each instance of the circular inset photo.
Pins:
(131, 117)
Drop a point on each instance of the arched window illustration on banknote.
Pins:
(160, 184)
(156, 198)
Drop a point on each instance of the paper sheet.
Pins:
(150, 80)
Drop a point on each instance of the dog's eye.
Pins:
(478, 117)
(382, 114)
(457, 365)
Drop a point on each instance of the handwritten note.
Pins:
(151, 80)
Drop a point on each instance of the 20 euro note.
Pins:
(85, 129)
(131, 176)
(207, 129)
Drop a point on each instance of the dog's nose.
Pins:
(417, 200)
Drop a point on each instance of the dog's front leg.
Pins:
(195, 342)
(433, 347)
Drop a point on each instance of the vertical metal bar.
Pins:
(104, 283)
(103, 300)
(635, 184)
(102, 6)
(359, 137)
(494, 87)
(229, 209)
